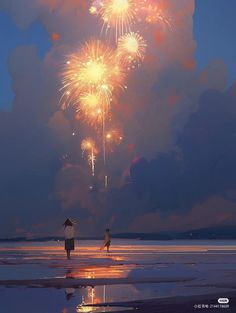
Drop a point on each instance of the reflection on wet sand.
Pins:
(90, 299)
(112, 271)
(92, 295)
(69, 292)
(133, 271)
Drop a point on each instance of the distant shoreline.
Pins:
(211, 233)
(117, 238)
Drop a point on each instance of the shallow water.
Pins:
(200, 259)
(30, 300)
(45, 300)
(208, 262)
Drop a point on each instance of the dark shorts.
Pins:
(70, 244)
(107, 244)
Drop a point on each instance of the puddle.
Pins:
(87, 299)
(50, 300)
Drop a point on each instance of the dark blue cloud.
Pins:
(203, 164)
(214, 32)
(11, 37)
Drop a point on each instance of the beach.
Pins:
(150, 276)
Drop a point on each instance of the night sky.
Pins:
(175, 169)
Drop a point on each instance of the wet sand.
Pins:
(151, 276)
(180, 304)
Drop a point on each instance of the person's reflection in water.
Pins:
(69, 292)
(69, 273)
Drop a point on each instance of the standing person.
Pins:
(69, 237)
(107, 240)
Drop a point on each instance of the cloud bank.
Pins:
(179, 123)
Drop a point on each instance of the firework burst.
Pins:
(116, 14)
(131, 48)
(93, 68)
(90, 109)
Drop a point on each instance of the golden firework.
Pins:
(131, 48)
(93, 67)
(90, 108)
(118, 14)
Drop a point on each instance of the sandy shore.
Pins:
(153, 277)
(178, 304)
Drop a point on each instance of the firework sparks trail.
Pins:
(111, 138)
(106, 96)
(88, 145)
(95, 108)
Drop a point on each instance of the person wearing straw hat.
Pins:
(69, 237)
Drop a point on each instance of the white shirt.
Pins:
(69, 232)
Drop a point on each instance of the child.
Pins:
(69, 237)
(107, 240)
